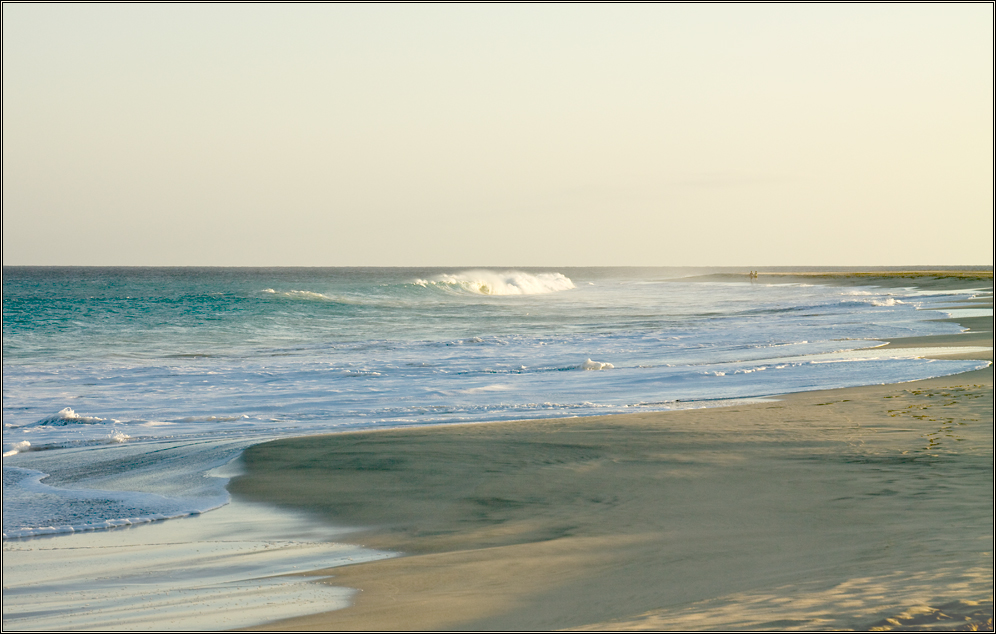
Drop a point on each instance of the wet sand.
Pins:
(857, 508)
(231, 567)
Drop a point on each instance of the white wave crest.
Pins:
(208, 419)
(116, 437)
(16, 448)
(487, 388)
(749, 370)
(595, 365)
(887, 302)
(67, 416)
(501, 283)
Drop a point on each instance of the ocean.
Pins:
(126, 389)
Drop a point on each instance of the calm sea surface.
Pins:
(123, 388)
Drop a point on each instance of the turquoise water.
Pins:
(123, 387)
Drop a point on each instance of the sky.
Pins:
(498, 135)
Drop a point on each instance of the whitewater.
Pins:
(125, 390)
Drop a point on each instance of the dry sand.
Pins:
(844, 509)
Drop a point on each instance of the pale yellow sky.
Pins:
(498, 135)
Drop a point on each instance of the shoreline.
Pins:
(538, 524)
(515, 555)
(924, 278)
(536, 553)
(520, 546)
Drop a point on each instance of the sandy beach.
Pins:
(856, 508)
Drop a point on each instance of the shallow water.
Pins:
(233, 568)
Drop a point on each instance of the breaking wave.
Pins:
(595, 365)
(16, 448)
(68, 417)
(500, 283)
